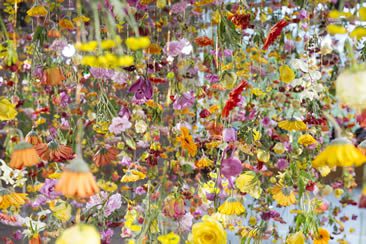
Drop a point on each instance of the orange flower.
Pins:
(76, 181)
(105, 155)
(53, 76)
(54, 151)
(187, 142)
(203, 41)
(153, 49)
(33, 138)
(24, 155)
(66, 24)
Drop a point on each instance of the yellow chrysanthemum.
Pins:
(209, 231)
(340, 152)
(37, 11)
(187, 142)
(132, 176)
(306, 140)
(7, 110)
(362, 13)
(170, 238)
(358, 33)
(204, 162)
(295, 238)
(107, 185)
(334, 29)
(289, 125)
(231, 207)
(335, 14)
(249, 183)
(125, 61)
(322, 237)
(12, 199)
(284, 196)
(136, 43)
(287, 75)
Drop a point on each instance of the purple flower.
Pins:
(65, 99)
(100, 73)
(39, 201)
(289, 45)
(107, 236)
(119, 125)
(269, 214)
(119, 78)
(124, 112)
(266, 122)
(282, 164)
(58, 45)
(303, 14)
(229, 134)
(174, 48)
(231, 167)
(140, 190)
(48, 189)
(142, 89)
(114, 202)
(178, 7)
(213, 78)
(186, 100)
(126, 161)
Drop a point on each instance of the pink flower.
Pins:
(119, 125)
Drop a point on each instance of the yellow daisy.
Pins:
(231, 207)
(306, 140)
(289, 125)
(132, 176)
(340, 152)
(284, 196)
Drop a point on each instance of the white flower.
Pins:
(119, 125)
(68, 51)
(140, 126)
(299, 64)
(14, 177)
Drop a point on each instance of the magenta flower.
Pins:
(186, 100)
(229, 134)
(231, 167)
(142, 89)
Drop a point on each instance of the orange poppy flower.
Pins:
(54, 151)
(33, 138)
(105, 155)
(53, 76)
(24, 155)
(203, 41)
(76, 181)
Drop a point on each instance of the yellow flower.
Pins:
(170, 238)
(107, 185)
(80, 19)
(362, 13)
(125, 61)
(87, 47)
(335, 14)
(81, 233)
(340, 152)
(37, 11)
(66, 24)
(136, 43)
(249, 183)
(231, 207)
(101, 127)
(256, 135)
(359, 32)
(289, 125)
(204, 162)
(187, 142)
(306, 140)
(61, 210)
(283, 195)
(12, 199)
(258, 92)
(322, 236)
(209, 231)
(334, 29)
(7, 110)
(263, 155)
(132, 176)
(279, 148)
(108, 44)
(287, 75)
(295, 238)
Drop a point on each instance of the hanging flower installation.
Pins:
(182, 121)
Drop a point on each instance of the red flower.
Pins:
(234, 98)
(274, 33)
(203, 41)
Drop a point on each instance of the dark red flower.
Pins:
(234, 98)
(274, 33)
(203, 41)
